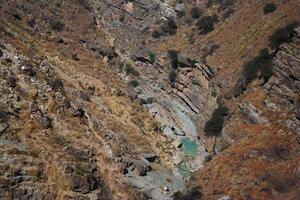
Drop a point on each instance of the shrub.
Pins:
(269, 8)
(206, 24)
(57, 85)
(214, 125)
(169, 28)
(261, 63)
(17, 16)
(31, 23)
(152, 57)
(56, 25)
(173, 55)
(130, 70)
(134, 83)
(196, 13)
(282, 35)
(156, 34)
(172, 77)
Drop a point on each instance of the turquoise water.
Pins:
(190, 150)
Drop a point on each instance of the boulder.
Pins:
(139, 167)
(179, 7)
(252, 114)
(44, 120)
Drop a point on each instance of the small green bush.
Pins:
(269, 8)
(206, 24)
(130, 70)
(214, 125)
(56, 25)
(152, 57)
(134, 83)
(196, 13)
(282, 35)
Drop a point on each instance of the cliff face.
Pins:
(266, 146)
(111, 99)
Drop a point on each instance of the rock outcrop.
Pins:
(285, 84)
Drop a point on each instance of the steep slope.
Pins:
(149, 99)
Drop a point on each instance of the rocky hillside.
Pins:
(104, 99)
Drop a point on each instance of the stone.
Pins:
(44, 120)
(33, 107)
(179, 7)
(166, 189)
(75, 57)
(252, 114)
(150, 157)
(225, 198)
(3, 127)
(1, 53)
(139, 167)
(79, 113)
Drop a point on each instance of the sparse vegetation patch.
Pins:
(282, 35)
(130, 70)
(261, 63)
(269, 8)
(206, 24)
